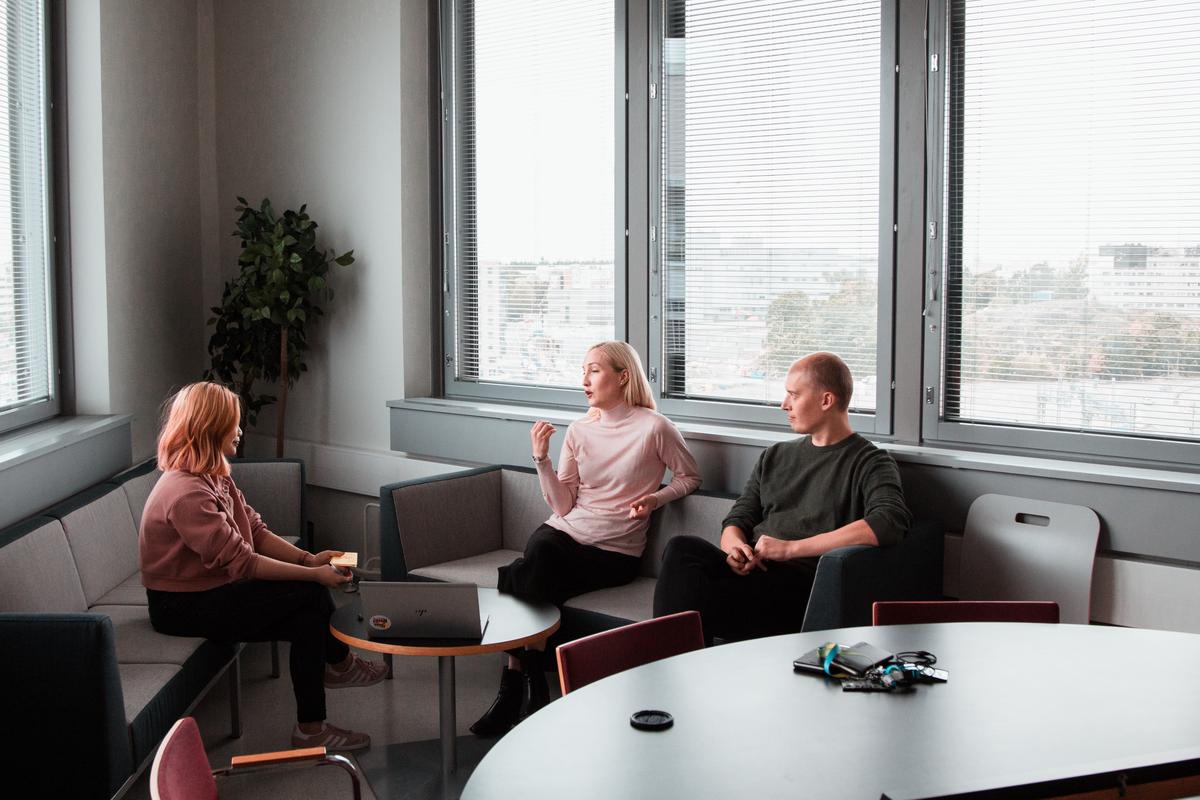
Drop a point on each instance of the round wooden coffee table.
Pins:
(512, 623)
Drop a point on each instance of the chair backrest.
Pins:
(591, 658)
(1020, 549)
(181, 770)
(904, 612)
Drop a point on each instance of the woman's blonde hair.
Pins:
(625, 359)
(199, 418)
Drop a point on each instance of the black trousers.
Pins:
(694, 575)
(555, 568)
(262, 611)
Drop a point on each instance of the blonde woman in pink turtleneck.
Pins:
(608, 481)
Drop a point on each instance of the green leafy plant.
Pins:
(260, 329)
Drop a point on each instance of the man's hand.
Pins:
(641, 508)
(741, 558)
(768, 548)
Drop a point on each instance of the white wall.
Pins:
(135, 249)
(325, 104)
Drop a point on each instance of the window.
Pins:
(531, 248)
(1071, 196)
(770, 195)
(27, 368)
(770, 208)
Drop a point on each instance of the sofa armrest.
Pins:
(437, 519)
(63, 695)
(850, 579)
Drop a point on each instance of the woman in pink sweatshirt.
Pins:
(212, 568)
(607, 483)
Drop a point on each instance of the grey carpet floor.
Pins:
(404, 709)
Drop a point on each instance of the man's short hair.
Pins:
(831, 374)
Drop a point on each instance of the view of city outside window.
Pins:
(25, 366)
(770, 192)
(534, 259)
(1073, 216)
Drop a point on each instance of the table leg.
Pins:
(446, 720)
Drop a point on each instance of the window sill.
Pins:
(47, 462)
(923, 455)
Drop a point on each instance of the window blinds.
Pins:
(1072, 201)
(770, 192)
(534, 160)
(26, 363)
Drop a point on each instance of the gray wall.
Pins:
(135, 248)
(325, 104)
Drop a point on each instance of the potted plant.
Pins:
(260, 329)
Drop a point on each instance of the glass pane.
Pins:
(1073, 202)
(535, 189)
(770, 192)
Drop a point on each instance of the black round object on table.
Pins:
(651, 720)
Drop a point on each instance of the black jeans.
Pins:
(262, 611)
(694, 575)
(555, 568)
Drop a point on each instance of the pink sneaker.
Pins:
(361, 672)
(332, 738)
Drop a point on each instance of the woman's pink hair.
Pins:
(200, 419)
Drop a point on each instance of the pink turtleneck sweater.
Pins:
(605, 465)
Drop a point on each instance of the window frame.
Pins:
(1121, 448)
(39, 410)
(451, 12)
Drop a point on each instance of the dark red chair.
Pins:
(916, 612)
(181, 770)
(591, 658)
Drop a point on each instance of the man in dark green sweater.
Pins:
(829, 489)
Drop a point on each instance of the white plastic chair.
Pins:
(1015, 548)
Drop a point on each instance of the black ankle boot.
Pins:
(506, 708)
(537, 693)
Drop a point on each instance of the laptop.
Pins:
(421, 610)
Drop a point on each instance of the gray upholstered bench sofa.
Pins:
(462, 526)
(90, 687)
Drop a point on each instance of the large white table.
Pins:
(1024, 704)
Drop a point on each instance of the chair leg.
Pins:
(235, 697)
(274, 659)
(387, 660)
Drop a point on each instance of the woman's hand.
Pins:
(322, 558)
(641, 508)
(330, 576)
(539, 436)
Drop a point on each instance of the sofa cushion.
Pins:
(128, 592)
(479, 570)
(523, 508)
(173, 698)
(139, 643)
(634, 601)
(141, 682)
(137, 483)
(273, 489)
(465, 513)
(698, 514)
(38, 571)
(103, 538)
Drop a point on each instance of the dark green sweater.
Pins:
(798, 490)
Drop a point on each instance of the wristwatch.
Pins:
(537, 460)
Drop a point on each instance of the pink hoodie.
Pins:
(197, 534)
